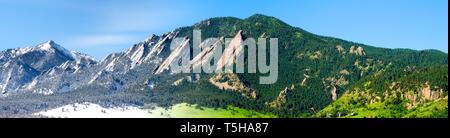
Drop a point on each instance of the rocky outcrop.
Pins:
(230, 81)
(304, 79)
(419, 96)
(429, 94)
(177, 54)
(192, 79)
(315, 55)
(253, 95)
(333, 85)
(333, 93)
(340, 49)
(206, 54)
(233, 50)
(177, 82)
(357, 51)
(263, 35)
(342, 81)
(139, 52)
(161, 44)
(337, 82)
(280, 100)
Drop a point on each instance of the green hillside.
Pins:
(314, 70)
(409, 92)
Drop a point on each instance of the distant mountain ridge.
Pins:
(22, 65)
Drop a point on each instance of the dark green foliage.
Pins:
(296, 58)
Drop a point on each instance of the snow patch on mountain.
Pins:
(32, 68)
(91, 110)
(43, 91)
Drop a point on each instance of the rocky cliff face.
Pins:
(357, 51)
(231, 52)
(280, 100)
(176, 56)
(209, 48)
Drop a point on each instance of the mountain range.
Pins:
(318, 76)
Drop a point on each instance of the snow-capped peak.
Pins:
(51, 46)
(47, 45)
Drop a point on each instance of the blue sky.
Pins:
(105, 26)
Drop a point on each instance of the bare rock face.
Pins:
(357, 51)
(342, 81)
(280, 100)
(315, 55)
(189, 79)
(206, 54)
(304, 80)
(340, 49)
(361, 51)
(140, 52)
(334, 93)
(178, 82)
(334, 84)
(234, 49)
(227, 59)
(160, 45)
(429, 94)
(253, 95)
(344, 72)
